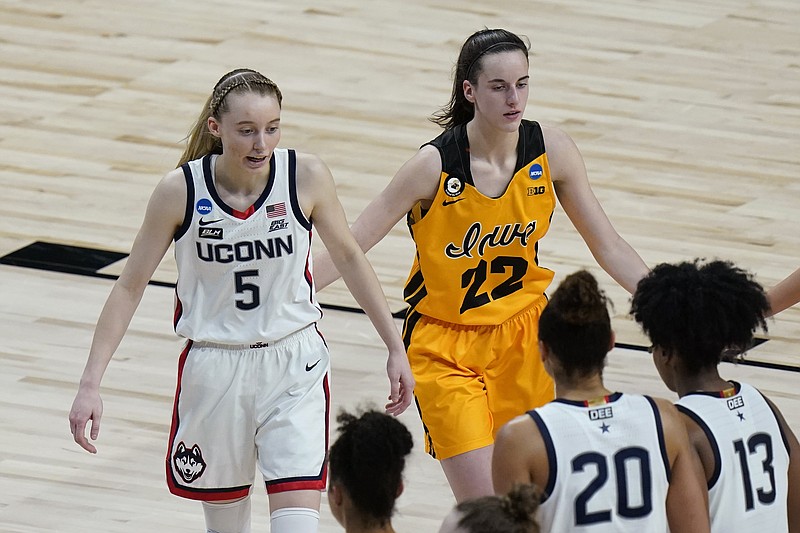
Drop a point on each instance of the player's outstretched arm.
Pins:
(785, 294)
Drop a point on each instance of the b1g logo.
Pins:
(536, 171)
(203, 206)
(189, 462)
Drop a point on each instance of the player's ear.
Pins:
(469, 92)
(335, 494)
(612, 341)
(544, 352)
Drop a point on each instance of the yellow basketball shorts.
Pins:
(473, 379)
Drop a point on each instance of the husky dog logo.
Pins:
(189, 462)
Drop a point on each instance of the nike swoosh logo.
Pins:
(309, 368)
(207, 222)
(448, 202)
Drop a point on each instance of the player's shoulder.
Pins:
(519, 427)
(172, 184)
(309, 161)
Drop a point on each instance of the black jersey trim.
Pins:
(662, 443)
(415, 290)
(293, 198)
(453, 146)
(409, 322)
(428, 438)
(188, 212)
(777, 421)
(208, 177)
(711, 439)
(551, 455)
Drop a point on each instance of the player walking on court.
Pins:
(253, 377)
(478, 199)
(693, 312)
(607, 462)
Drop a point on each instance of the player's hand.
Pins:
(87, 406)
(401, 382)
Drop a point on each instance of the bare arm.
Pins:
(416, 181)
(519, 456)
(611, 251)
(687, 498)
(164, 214)
(793, 502)
(318, 199)
(785, 294)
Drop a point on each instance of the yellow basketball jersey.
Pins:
(477, 260)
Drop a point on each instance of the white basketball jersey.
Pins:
(244, 276)
(749, 488)
(609, 470)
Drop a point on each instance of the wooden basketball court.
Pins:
(687, 114)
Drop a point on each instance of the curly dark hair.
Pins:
(514, 513)
(576, 327)
(367, 459)
(699, 310)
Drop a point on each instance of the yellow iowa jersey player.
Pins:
(476, 259)
(477, 200)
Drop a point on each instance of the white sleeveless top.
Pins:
(244, 277)
(749, 488)
(609, 469)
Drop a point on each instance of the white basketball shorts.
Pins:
(238, 406)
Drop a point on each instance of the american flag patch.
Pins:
(276, 210)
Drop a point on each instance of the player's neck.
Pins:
(581, 389)
(357, 529)
(703, 381)
(490, 144)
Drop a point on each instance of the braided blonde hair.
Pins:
(200, 141)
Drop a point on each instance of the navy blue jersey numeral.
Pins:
(756, 442)
(627, 463)
(252, 300)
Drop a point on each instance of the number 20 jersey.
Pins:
(244, 277)
(749, 486)
(477, 257)
(609, 469)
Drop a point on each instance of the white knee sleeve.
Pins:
(294, 520)
(233, 517)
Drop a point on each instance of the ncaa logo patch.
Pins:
(203, 206)
(453, 186)
(536, 171)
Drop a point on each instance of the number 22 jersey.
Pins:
(477, 257)
(244, 277)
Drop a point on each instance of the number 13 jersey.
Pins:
(244, 277)
(749, 487)
(477, 257)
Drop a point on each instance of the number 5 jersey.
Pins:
(244, 277)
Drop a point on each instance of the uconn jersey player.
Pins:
(605, 461)
(695, 312)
